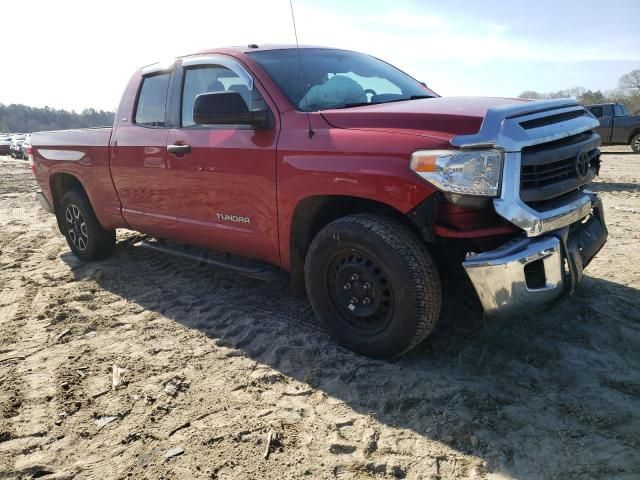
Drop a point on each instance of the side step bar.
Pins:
(250, 268)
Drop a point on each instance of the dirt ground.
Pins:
(209, 366)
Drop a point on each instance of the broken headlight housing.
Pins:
(470, 172)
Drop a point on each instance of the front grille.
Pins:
(536, 176)
(551, 169)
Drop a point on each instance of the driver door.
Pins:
(227, 173)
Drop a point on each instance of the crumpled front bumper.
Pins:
(532, 272)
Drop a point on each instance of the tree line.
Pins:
(627, 93)
(25, 119)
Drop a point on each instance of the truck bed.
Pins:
(84, 155)
(72, 139)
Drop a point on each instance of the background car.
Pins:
(26, 147)
(5, 144)
(617, 127)
(15, 150)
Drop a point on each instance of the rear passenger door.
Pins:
(621, 126)
(139, 162)
(227, 173)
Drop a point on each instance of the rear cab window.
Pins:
(152, 101)
(619, 110)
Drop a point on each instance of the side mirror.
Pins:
(226, 108)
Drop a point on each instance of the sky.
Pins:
(80, 54)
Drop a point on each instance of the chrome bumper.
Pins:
(44, 202)
(500, 281)
(531, 272)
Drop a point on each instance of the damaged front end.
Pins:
(550, 155)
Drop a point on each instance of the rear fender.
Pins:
(89, 171)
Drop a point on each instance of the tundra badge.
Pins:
(233, 218)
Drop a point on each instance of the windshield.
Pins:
(337, 78)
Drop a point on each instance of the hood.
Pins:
(441, 118)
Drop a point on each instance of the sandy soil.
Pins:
(213, 365)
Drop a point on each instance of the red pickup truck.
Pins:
(344, 172)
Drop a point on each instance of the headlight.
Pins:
(464, 172)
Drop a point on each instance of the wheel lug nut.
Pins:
(367, 286)
(347, 286)
(366, 301)
(354, 300)
(354, 277)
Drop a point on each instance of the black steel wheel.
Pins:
(360, 290)
(373, 283)
(85, 236)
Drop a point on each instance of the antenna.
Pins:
(295, 32)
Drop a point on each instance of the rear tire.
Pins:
(635, 143)
(85, 236)
(373, 284)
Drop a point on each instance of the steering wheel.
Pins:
(370, 91)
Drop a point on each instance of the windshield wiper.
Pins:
(357, 104)
(364, 104)
(412, 97)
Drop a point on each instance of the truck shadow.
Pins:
(508, 392)
(613, 187)
(622, 152)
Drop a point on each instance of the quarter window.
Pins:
(211, 79)
(152, 101)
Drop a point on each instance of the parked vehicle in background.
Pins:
(617, 127)
(5, 144)
(350, 182)
(26, 147)
(15, 150)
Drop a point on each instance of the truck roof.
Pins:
(235, 50)
(252, 47)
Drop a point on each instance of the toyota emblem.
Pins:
(582, 164)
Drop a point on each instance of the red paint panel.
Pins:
(228, 172)
(344, 162)
(148, 188)
(92, 169)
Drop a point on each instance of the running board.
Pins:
(249, 268)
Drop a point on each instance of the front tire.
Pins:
(85, 236)
(373, 284)
(635, 143)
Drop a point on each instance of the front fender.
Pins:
(352, 163)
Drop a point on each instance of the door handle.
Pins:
(179, 149)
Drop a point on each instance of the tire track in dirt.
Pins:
(25, 422)
(245, 296)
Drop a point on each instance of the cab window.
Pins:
(619, 111)
(211, 79)
(152, 101)
(598, 112)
